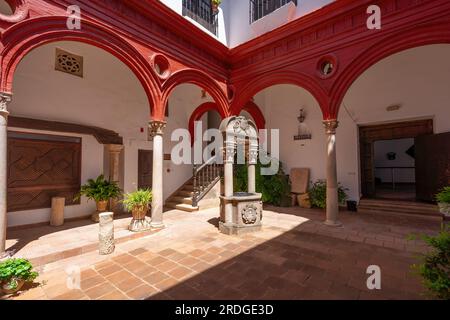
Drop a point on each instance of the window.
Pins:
(201, 11)
(261, 8)
(41, 167)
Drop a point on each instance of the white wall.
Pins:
(108, 96)
(402, 160)
(241, 31)
(281, 106)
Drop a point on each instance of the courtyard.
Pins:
(295, 256)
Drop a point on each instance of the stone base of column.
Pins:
(331, 223)
(157, 225)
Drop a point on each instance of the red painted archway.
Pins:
(32, 33)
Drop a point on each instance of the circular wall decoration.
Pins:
(19, 11)
(327, 66)
(161, 66)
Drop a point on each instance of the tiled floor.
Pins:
(294, 257)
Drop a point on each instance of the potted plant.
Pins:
(434, 267)
(215, 5)
(101, 191)
(443, 199)
(138, 202)
(318, 194)
(14, 273)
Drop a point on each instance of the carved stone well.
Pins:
(240, 212)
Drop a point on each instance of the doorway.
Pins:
(145, 169)
(388, 159)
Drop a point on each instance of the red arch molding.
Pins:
(246, 92)
(201, 79)
(19, 9)
(416, 37)
(25, 36)
(250, 107)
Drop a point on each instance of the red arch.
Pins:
(199, 112)
(23, 37)
(253, 109)
(201, 79)
(304, 81)
(419, 36)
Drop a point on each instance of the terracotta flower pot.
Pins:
(102, 206)
(8, 288)
(140, 222)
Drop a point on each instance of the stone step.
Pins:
(181, 199)
(181, 206)
(188, 187)
(417, 209)
(398, 203)
(185, 194)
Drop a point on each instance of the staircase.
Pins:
(399, 207)
(189, 197)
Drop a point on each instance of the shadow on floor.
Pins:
(301, 264)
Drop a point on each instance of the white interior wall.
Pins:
(108, 96)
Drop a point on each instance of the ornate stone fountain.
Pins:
(240, 212)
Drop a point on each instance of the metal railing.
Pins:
(202, 12)
(261, 8)
(204, 179)
(393, 170)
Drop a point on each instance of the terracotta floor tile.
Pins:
(180, 273)
(98, 291)
(92, 282)
(156, 277)
(142, 292)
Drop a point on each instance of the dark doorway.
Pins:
(387, 155)
(145, 167)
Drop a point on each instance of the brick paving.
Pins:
(294, 257)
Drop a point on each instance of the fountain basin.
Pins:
(240, 213)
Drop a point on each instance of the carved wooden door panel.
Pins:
(145, 169)
(432, 165)
(41, 167)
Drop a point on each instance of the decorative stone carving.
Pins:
(253, 155)
(156, 128)
(249, 214)
(20, 12)
(69, 63)
(5, 99)
(330, 126)
(106, 233)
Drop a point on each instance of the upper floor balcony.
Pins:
(237, 21)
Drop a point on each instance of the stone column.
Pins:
(229, 152)
(4, 100)
(252, 160)
(114, 151)
(156, 130)
(332, 183)
(106, 233)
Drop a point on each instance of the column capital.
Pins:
(330, 126)
(5, 99)
(114, 148)
(156, 128)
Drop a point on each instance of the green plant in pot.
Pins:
(318, 194)
(443, 199)
(101, 191)
(14, 273)
(215, 5)
(139, 203)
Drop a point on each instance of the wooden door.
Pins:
(368, 135)
(432, 165)
(145, 169)
(41, 167)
